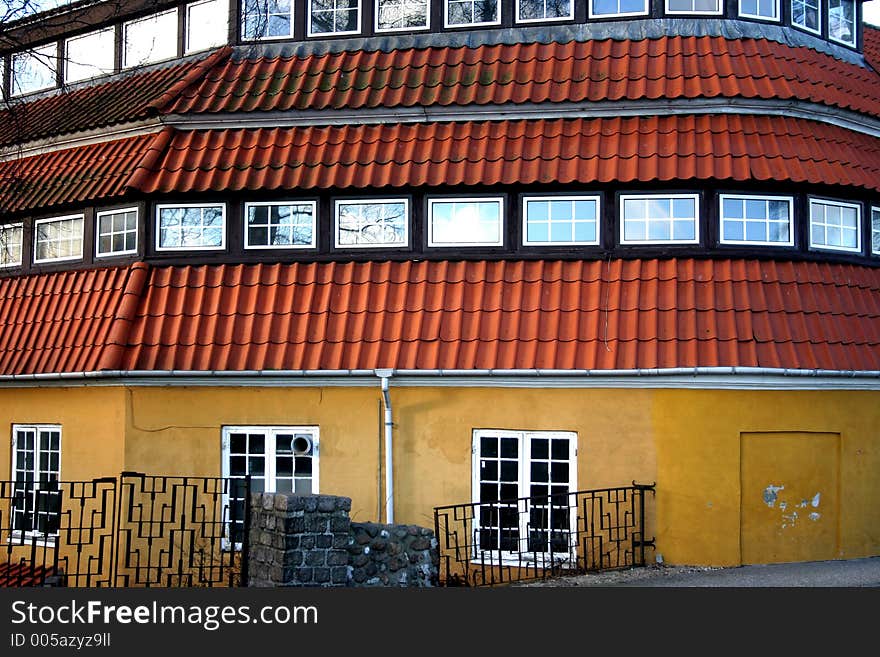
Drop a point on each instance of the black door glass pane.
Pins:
(53, 461)
(488, 516)
(54, 440)
(509, 540)
(257, 465)
(538, 494)
(559, 518)
(539, 472)
(509, 516)
(489, 470)
(560, 449)
(508, 491)
(284, 466)
(44, 461)
(488, 493)
(538, 518)
(509, 471)
(303, 465)
(283, 443)
(509, 448)
(284, 486)
(44, 440)
(559, 472)
(559, 495)
(258, 485)
(540, 448)
(257, 443)
(488, 539)
(489, 446)
(237, 466)
(237, 443)
(537, 541)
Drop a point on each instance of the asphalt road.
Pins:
(847, 573)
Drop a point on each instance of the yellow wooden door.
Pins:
(789, 496)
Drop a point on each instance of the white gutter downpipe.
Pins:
(385, 375)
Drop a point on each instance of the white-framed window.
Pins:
(560, 220)
(764, 220)
(395, 15)
(807, 14)
(150, 39)
(835, 225)
(466, 221)
(509, 466)
(278, 459)
(90, 55)
(207, 25)
(11, 245)
(764, 9)
(34, 70)
(842, 21)
(58, 238)
(116, 232)
(472, 12)
(36, 469)
(266, 19)
(372, 222)
(334, 17)
(280, 225)
(659, 218)
(191, 226)
(532, 11)
(875, 231)
(607, 8)
(694, 7)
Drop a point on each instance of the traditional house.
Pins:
(533, 247)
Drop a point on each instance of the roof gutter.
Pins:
(674, 377)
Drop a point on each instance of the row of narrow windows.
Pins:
(205, 24)
(452, 222)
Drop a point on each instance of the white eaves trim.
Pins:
(697, 378)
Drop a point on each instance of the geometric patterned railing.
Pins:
(497, 542)
(135, 530)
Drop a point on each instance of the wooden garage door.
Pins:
(789, 496)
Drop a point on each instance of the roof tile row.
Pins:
(601, 70)
(129, 97)
(444, 315)
(721, 147)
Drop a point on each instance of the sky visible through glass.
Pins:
(872, 8)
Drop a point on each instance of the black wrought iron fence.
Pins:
(537, 537)
(135, 530)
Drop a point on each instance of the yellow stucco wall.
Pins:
(92, 427)
(698, 465)
(177, 431)
(689, 441)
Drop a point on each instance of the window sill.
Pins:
(29, 539)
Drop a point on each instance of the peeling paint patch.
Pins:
(770, 494)
(789, 520)
(814, 516)
(803, 504)
(783, 506)
(816, 500)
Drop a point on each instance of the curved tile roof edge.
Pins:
(652, 28)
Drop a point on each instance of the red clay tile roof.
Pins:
(86, 173)
(667, 67)
(871, 46)
(508, 315)
(72, 321)
(721, 147)
(133, 97)
(19, 575)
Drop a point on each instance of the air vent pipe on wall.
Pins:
(385, 375)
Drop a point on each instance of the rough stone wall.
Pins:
(309, 540)
(299, 540)
(392, 555)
